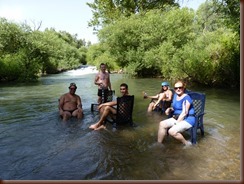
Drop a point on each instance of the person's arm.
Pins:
(61, 103)
(79, 103)
(113, 103)
(109, 83)
(152, 97)
(97, 79)
(169, 110)
(185, 109)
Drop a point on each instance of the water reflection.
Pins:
(35, 144)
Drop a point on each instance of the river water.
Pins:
(36, 145)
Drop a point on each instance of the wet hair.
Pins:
(124, 85)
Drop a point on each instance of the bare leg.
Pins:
(178, 136)
(150, 107)
(162, 130)
(66, 115)
(106, 112)
(78, 113)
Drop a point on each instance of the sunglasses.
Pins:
(178, 87)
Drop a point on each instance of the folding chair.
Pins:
(124, 112)
(105, 98)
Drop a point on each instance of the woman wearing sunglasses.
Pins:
(183, 118)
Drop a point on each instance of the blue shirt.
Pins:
(177, 106)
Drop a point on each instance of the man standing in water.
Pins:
(102, 79)
(70, 104)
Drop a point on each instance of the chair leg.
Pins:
(202, 130)
(114, 125)
(194, 134)
(92, 108)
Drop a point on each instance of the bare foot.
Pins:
(100, 127)
(94, 126)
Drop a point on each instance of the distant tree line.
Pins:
(25, 54)
(144, 38)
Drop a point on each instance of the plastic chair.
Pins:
(105, 99)
(199, 106)
(124, 112)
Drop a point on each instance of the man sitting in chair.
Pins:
(107, 109)
(70, 104)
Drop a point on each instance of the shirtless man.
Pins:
(70, 104)
(107, 109)
(102, 79)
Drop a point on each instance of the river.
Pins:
(35, 144)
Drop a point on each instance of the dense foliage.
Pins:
(145, 38)
(25, 54)
(201, 46)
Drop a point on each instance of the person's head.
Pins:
(103, 67)
(72, 88)
(165, 86)
(124, 89)
(179, 87)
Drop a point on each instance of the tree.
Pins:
(108, 11)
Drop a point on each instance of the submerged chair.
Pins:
(199, 106)
(124, 112)
(105, 99)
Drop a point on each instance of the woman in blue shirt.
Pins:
(183, 118)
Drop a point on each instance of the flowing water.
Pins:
(35, 144)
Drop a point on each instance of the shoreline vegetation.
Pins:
(163, 41)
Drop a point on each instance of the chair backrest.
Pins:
(108, 98)
(198, 102)
(111, 93)
(124, 110)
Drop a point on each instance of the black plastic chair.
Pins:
(199, 106)
(105, 99)
(124, 112)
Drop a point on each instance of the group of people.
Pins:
(178, 103)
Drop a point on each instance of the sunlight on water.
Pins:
(82, 71)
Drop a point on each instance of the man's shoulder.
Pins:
(77, 95)
(64, 95)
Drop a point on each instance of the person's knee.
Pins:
(65, 116)
(172, 132)
(107, 108)
(79, 116)
(162, 124)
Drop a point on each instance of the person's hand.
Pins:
(144, 94)
(168, 111)
(79, 109)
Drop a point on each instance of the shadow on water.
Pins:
(35, 144)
